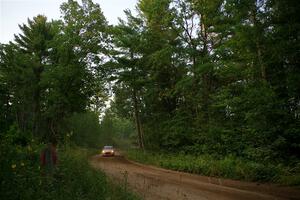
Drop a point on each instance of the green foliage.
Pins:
(214, 77)
(227, 167)
(117, 131)
(199, 77)
(21, 176)
(47, 73)
(84, 130)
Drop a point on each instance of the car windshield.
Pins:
(107, 147)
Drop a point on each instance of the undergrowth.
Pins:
(228, 167)
(22, 179)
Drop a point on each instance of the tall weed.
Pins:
(22, 179)
(230, 167)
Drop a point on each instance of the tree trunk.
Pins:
(260, 60)
(36, 101)
(206, 82)
(262, 67)
(136, 114)
(137, 120)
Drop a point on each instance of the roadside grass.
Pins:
(21, 177)
(228, 167)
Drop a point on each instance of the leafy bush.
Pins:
(84, 129)
(226, 167)
(21, 176)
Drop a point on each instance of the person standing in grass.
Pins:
(48, 158)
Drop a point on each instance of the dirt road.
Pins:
(154, 183)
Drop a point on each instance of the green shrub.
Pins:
(230, 166)
(21, 176)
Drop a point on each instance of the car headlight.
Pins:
(103, 151)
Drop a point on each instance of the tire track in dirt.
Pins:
(153, 183)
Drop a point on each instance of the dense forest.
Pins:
(211, 76)
(218, 77)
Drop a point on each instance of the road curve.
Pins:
(153, 183)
